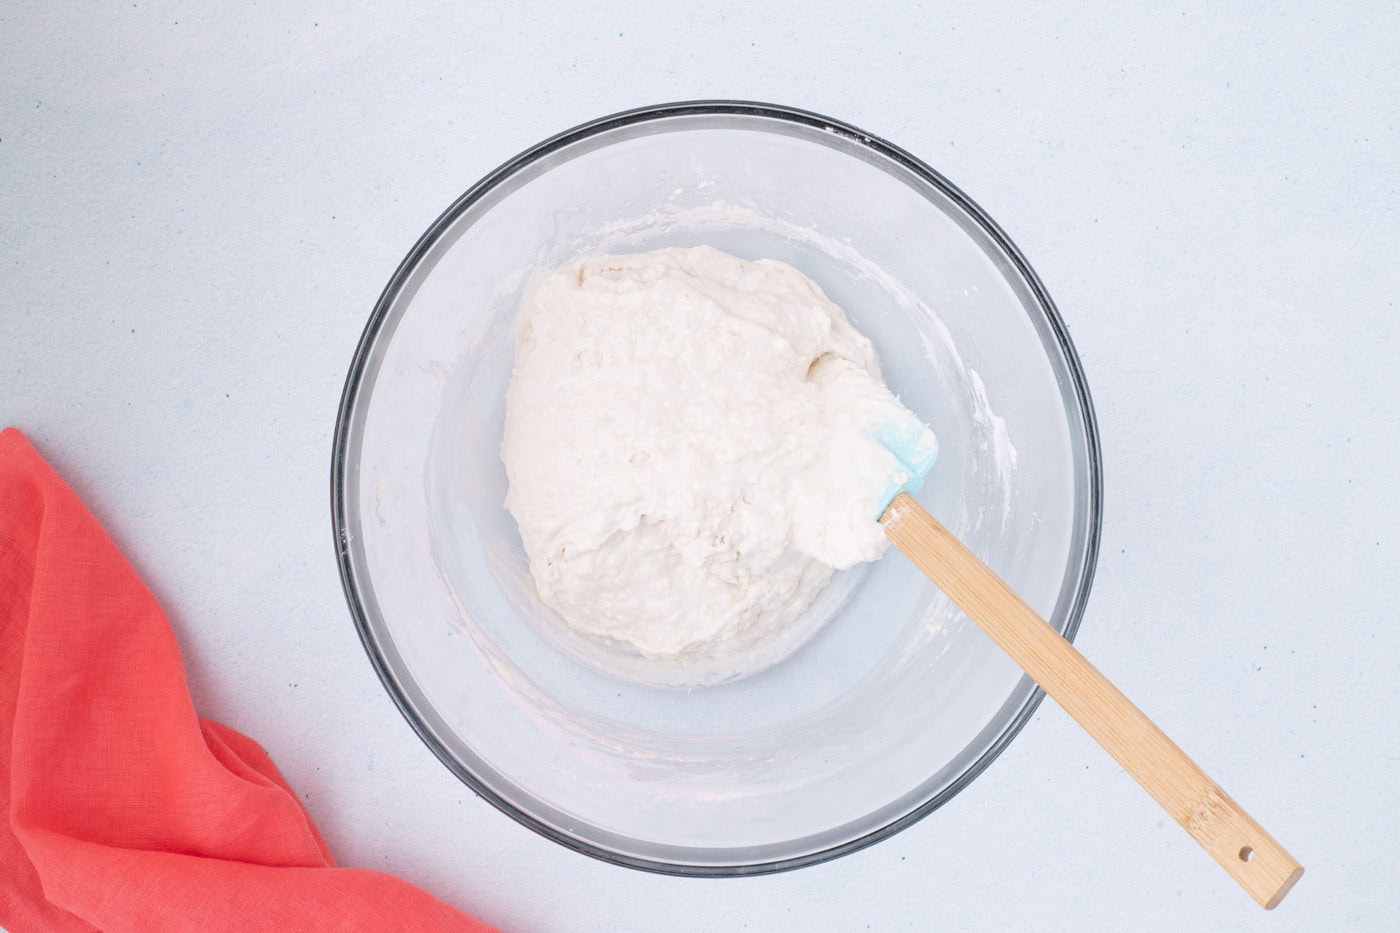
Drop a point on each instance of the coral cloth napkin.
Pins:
(125, 810)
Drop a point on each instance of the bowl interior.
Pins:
(890, 699)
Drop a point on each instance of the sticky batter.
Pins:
(689, 445)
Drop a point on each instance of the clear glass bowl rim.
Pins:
(350, 399)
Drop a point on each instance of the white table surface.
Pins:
(198, 209)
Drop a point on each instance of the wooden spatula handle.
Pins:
(1262, 866)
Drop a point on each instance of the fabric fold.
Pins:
(125, 810)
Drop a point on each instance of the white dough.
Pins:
(684, 477)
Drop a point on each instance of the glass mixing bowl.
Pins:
(895, 700)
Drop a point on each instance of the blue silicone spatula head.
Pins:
(915, 448)
(883, 419)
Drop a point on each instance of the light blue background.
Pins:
(198, 209)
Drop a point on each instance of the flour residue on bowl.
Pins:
(998, 446)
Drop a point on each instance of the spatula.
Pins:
(1251, 856)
